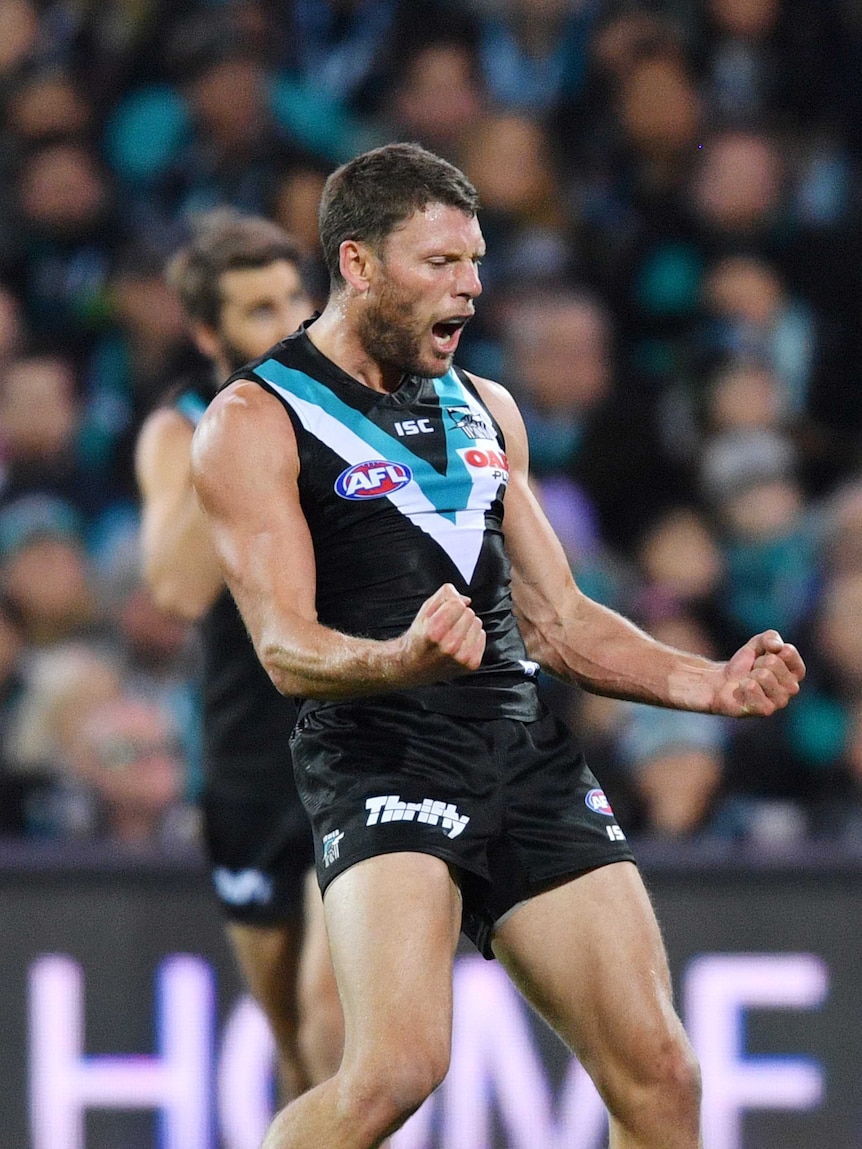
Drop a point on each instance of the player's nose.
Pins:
(468, 283)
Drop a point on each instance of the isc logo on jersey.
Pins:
(372, 480)
(598, 803)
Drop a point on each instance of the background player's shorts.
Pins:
(512, 805)
(258, 842)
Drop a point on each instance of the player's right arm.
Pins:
(245, 468)
(178, 558)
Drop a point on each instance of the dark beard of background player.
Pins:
(387, 335)
(233, 356)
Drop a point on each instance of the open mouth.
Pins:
(448, 332)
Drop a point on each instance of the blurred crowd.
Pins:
(672, 291)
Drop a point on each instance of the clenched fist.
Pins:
(760, 678)
(445, 639)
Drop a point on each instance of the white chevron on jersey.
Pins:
(460, 535)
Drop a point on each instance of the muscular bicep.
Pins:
(245, 470)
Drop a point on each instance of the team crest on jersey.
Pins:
(373, 479)
(473, 426)
(598, 803)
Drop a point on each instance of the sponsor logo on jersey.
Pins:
(242, 887)
(390, 808)
(598, 803)
(373, 479)
(492, 461)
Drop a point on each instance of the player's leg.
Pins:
(268, 957)
(589, 957)
(393, 924)
(321, 1024)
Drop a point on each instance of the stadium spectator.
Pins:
(583, 419)
(66, 239)
(44, 570)
(533, 53)
(525, 218)
(437, 96)
(767, 534)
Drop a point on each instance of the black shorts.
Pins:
(511, 805)
(257, 839)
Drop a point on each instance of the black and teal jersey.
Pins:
(246, 722)
(403, 492)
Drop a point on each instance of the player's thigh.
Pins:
(588, 955)
(393, 922)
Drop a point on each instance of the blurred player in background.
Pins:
(240, 282)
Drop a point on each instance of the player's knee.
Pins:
(385, 1093)
(669, 1093)
(658, 1089)
(413, 1076)
(680, 1081)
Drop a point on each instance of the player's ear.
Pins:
(356, 261)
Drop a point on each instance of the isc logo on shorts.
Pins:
(372, 480)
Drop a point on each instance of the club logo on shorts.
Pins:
(598, 803)
(331, 851)
(390, 808)
(372, 480)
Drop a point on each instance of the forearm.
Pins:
(308, 660)
(445, 639)
(604, 653)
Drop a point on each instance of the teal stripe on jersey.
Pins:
(452, 491)
(192, 406)
(451, 393)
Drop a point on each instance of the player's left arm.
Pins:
(581, 641)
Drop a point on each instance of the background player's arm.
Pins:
(245, 469)
(582, 641)
(179, 562)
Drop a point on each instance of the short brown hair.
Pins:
(366, 198)
(224, 240)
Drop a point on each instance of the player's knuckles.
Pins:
(760, 701)
(777, 666)
(444, 619)
(769, 678)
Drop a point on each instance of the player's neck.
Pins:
(334, 335)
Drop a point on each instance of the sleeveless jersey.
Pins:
(403, 492)
(246, 722)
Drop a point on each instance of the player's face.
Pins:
(422, 290)
(262, 305)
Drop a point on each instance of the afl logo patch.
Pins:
(372, 480)
(598, 803)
